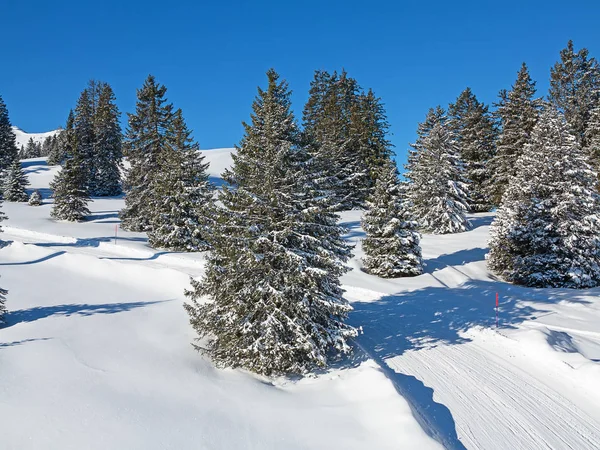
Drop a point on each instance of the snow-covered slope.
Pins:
(23, 137)
(96, 353)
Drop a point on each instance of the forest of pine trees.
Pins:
(270, 300)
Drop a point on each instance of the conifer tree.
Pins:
(328, 126)
(83, 130)
(147, 135)
(436, 188)
(518, 113)
(275, 304)
(592, 137)
(369, 127)
(69, 185)
(392, 241)
(35, 199)
(575, 88)
(61, 149)
(46, 146)
(15, 183)
(107, 153)
(8, 146)
(474, 132)
(181, 220)
(32, 150)
(546, 232)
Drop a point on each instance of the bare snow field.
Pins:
(96, 352)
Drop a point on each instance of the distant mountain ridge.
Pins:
(23, 137)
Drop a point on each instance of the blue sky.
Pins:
(212, 55)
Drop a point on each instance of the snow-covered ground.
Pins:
(97, 354)
(23, 137)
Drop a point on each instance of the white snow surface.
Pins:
(23, 137)
(96, 351)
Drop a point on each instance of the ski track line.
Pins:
(510, 409)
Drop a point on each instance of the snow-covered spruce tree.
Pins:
(147, 135)
(15, 183)
(391, 244)
(592, 137)
(575, 88)
(31, 150)
(328, 120)
(184, 205)
(475, 134)
(518, 112)
(436, 188)
(70, 191)
(275, 304)
(107, 152)
(35, 199)
(369, 128)
(546, 232)
(83, 130)
(8, 145)
(62, 148)
(46, 146)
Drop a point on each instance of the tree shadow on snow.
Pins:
(432, 316)
(455, 259)
(91, 242)
(481, 221)
(39, 260)
(21, 342)
(43, 312)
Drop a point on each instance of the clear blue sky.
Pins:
(212, 55)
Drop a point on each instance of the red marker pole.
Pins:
(496, 310)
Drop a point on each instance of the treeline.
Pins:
(535, 159)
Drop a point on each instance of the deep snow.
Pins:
(96, 351)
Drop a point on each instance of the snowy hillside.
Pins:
(23, 137)
(96, 353)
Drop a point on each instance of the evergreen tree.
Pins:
(83, 130)
(46, 146)
(35, 199)
(328, 124)
(436, 188)
(8, 146)
(107, 144)
(148, 134)
(575, 88)
(184, 204)
(69, 185)
(32, 150)
(473, 129)
(392, 241)
(518, 112)
(275, 304)
(15, 183)
(592, 137)
(546, 232)
(61, 149)
(369, 127)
